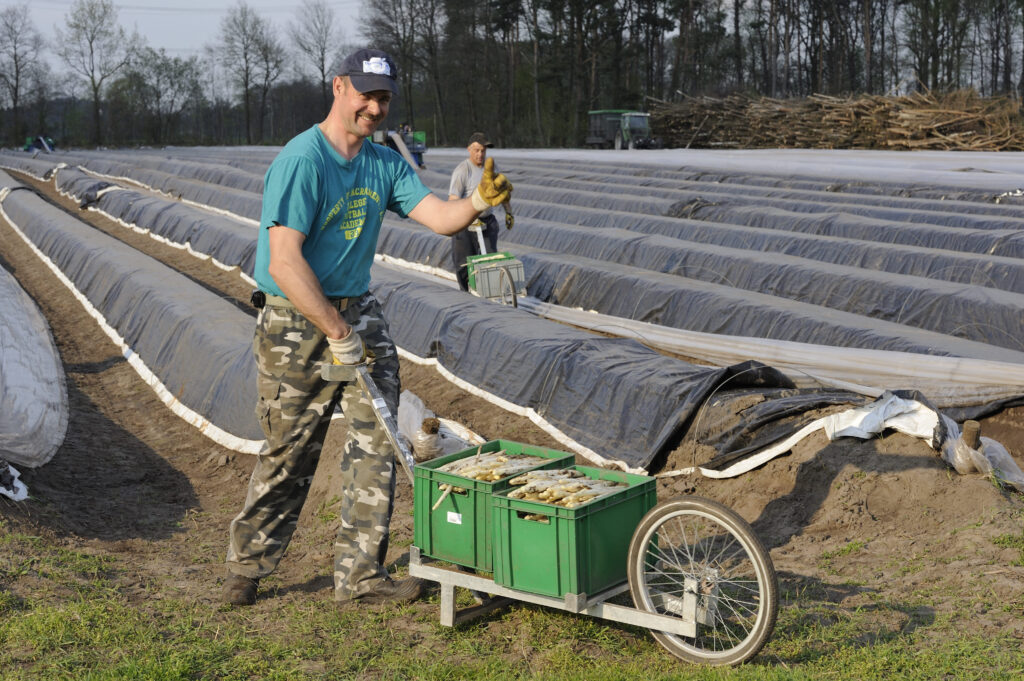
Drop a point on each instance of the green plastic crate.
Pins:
(459, 530)
(580, 550)
(486, 273)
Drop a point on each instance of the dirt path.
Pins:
(883, 521)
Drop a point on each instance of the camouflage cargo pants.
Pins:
(294, 408)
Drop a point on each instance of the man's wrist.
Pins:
(338, 332)
(480, 204)
(347, 350)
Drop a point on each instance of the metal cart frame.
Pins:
(595, 606)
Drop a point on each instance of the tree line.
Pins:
(525, 71)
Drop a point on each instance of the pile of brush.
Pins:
(961, 120)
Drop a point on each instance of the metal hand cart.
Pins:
(498, 277)
(700, 579)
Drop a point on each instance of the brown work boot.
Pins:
(239, 590)
(390, 591)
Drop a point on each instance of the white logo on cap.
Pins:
(377, 65)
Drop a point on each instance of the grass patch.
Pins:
(64, 617)
(1012, 541)
(99, 640)
(827, 558)
(327, 512)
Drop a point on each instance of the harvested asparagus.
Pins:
(491, 466)
(568, 487)
(486, 467)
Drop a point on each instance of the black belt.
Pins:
(260, 299)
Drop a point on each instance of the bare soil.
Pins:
(882, 520)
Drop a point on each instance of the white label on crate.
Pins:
(454, 518)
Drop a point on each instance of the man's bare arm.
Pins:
(451, 217)
(295, 278)
(444, 217)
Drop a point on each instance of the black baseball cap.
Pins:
(479, 138)
(370, 70)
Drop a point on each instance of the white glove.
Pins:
(348, 350)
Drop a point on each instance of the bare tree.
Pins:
(168, 85)
(20, 46)
(269, 65)
(936, 32)
(534, 28)
(390, 25)
(241, 32)
(95, 47)
(317, 36)
(39, 96)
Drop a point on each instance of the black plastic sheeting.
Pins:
(962, 226)
(614, 396)
(687, 239)
(39, 167)
(633, 293)
(929, 289)
(998, 238)
(976, 313)
(738, 423)
(138, 165)
(880, 190)
(832, 270)
(33, 393)
(162, 315)
(81, 186)
(1006, 242)
(708, 202)
(242, 202)
(224, 239)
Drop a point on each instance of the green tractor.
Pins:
(620, 129)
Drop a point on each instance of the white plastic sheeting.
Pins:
(889, 412)
(989, 458)
(10, 485)
(447, 438)
(33, 396)
(990, 173)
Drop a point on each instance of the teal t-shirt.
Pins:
(338, 204)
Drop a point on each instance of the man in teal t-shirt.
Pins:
(338, 204)
(323, 200)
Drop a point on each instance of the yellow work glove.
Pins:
(510, 220)
(492, 190)
(348, 350)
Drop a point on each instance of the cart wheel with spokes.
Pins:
(507, 285)
(695, 558)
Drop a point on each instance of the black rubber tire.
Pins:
(508, 288)
(677, 534)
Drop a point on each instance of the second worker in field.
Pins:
(465, 179)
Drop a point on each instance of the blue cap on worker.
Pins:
(370, 70)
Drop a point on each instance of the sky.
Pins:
(184, 27)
